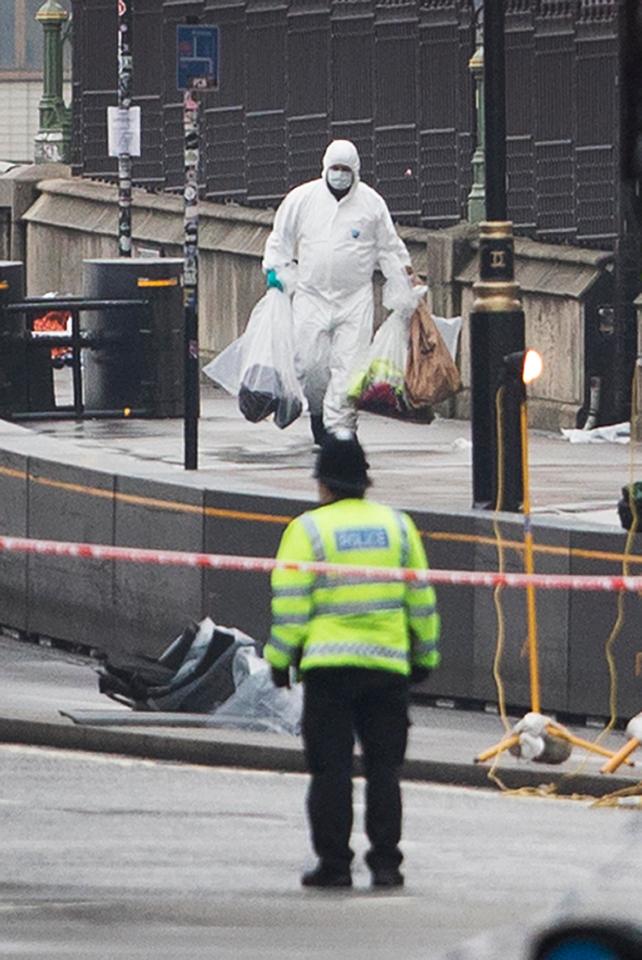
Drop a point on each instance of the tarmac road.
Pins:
(104, 856)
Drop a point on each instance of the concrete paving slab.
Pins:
(41, 687)
(414, 465)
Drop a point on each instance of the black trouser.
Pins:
(339, 702)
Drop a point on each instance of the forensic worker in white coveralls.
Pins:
(336, 230)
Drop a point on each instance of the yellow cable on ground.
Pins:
(628, 793)
(497, 592)
(551, 790)
(619, 619)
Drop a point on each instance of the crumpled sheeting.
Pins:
(257, 704)
(536, 743)
(634, 727)
(614, 433)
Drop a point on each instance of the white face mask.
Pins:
(339, 179)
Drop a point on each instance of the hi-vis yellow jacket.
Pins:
(348, 621)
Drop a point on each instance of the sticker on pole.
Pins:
(197, 57)
(123, 131)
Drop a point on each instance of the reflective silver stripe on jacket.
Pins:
(421, 611)
(354, 580)
(329, 651)
(292, 591)
(315, 537)
(282, 647)
(281, 620)
(363, 606)
(405, 542)
(423, 647)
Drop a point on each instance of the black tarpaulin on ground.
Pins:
(210, 670)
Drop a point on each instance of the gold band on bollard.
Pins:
(493, 229)
(496, 296)
(496, 290)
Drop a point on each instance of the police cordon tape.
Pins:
(468, 578)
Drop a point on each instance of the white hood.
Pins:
(345, 153)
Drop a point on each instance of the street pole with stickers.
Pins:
(190, 277)
(197, 70)
(123, 128)
(125, 82)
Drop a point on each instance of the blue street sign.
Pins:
(197, 57)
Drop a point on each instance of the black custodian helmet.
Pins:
(341, 464)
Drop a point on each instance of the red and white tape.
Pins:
(466, 578)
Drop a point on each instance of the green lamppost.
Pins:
(477, 195)
(53, 140)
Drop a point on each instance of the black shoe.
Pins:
(326, 877)
(318, 430)
(387, 877)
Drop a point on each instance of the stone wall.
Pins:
(562, 287)
(76, 220)
(561, 290)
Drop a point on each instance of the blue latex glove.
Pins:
(273, 280)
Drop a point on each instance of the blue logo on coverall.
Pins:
(362, 538)
(355, 233)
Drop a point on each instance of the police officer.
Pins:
(357, 643)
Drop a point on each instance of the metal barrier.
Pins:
(78, 341)
(126, 357)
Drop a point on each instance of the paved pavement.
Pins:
(414, 465)
(40, 687)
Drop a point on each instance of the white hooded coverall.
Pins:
(336, 245)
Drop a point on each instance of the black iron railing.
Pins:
(78, 341)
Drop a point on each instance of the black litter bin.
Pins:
(26, 375)
(136, 360)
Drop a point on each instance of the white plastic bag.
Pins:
(379, 386)
(259, 366)
(256, 703)
(400, 295)
(449, 328)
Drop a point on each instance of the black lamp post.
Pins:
(496, 330)
(495, 109)
(497, 319)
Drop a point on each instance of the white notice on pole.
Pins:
(123, 131)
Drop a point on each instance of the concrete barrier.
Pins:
(106, 605)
